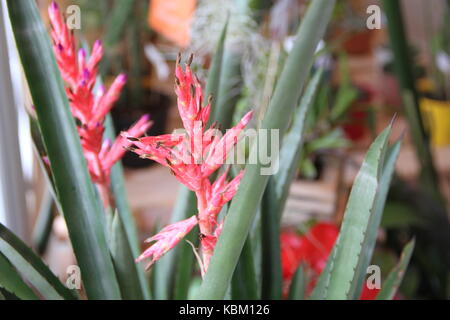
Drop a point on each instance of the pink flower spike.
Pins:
(122, 142)
(166, 239)
(229, 191)
(222, 192)
(111, 96)
(64, 45)
(218, 153)
(96, 56)
(80, 74)
(192, 157)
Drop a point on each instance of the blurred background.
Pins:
(361, 94)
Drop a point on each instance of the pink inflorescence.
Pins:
(193, 157)
(90, 106)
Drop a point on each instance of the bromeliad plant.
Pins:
(193, 158)
(90, 108)
(106, 252)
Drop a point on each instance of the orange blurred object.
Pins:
(172, 19)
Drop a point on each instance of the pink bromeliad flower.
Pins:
(90, 108)
(193, 157)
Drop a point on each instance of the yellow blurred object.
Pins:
(436, 116)
(172, 19)
(425, 85)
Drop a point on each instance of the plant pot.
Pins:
(359, 43)
(436, 115)
(356, 125)
(355, 129)
(390, 90)
(125, 114)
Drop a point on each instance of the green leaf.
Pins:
(276, 193)
(292, 148)
(244, 285)
(346, 94)
(404, 69)
(230, 88)
(244, 205)
(214, 74)
(31, 267)
(126, 217)
(349, 245)
(270, 240)
(12, 281)
(320, 290)
(118, 21)
(330, 140)
(43, 226)
(308, 169)
(74, 189)
(370, 239)
(185, 266)
(298, 285)
(127, 273)
(395, 277)
(119, 18)
(164, 270)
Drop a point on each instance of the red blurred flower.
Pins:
(312, 250)
(292, 251)
(319, 241)
(356, 127)
(368, 294)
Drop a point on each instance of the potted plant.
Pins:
(350, 28)
(435, 104)
(330, 125)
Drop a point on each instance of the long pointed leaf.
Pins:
(292, 147)
(320, 290)
(166, 270)
(185, 267)
(123, 260)
(244, 285)
(43, 225)
(395, 277)
(347, 253)
(32, 267)
(375, 219)
(214, 74)
(244, 205)
(298, 285)
(229, 89)
(73, 186)
(404, 70)
(276, 193)
(12, 281)
(127, 219)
